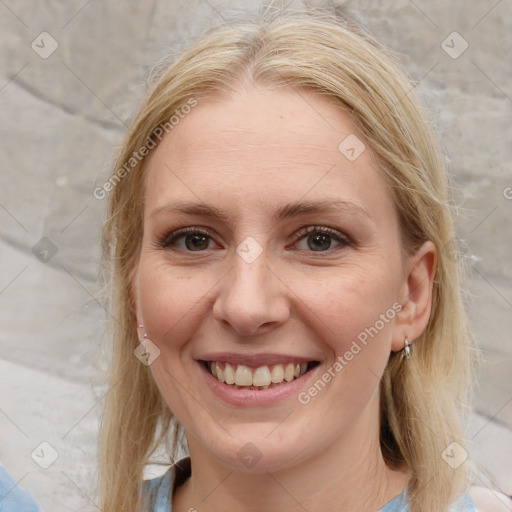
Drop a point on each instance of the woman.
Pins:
(276, 226)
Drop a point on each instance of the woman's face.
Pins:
(302, 273)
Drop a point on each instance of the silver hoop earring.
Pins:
(407, 349)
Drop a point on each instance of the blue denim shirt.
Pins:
(14, 498)
(158, 493)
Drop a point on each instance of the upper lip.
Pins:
(254, 360)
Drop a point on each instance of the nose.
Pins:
(252, 298)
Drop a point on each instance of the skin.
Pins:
(249, 154)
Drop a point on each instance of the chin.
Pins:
(260, 454)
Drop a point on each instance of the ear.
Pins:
(415, 296)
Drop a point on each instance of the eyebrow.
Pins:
(287, 211)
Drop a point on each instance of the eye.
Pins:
(319, 238)
(195, 239)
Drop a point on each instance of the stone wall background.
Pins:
(65, 113)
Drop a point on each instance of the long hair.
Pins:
(423, 402)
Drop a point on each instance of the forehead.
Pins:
(261, 146)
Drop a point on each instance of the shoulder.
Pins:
(488, 500)
(157, 492)
(13, 497)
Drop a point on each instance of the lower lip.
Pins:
(248, 397)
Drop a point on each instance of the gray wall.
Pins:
(63, 116)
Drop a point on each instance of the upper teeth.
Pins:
(263, 376)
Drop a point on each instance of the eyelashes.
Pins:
(201, 238)
(169, 241)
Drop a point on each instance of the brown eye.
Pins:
(195, 240)
(319, 238)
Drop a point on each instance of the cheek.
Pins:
(169, 303)
(342, 305)
(353, 316)
(353, 309)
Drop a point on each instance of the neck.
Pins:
(349, 475)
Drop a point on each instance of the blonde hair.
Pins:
(422, 401)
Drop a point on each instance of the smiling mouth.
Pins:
(240, 376)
